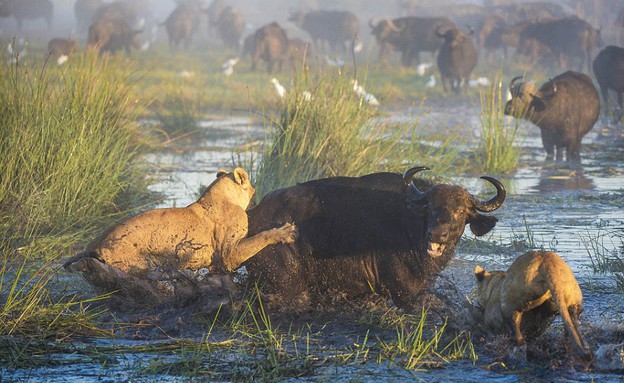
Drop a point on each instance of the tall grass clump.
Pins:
(331, 131)
(496, 152)
(68, 148)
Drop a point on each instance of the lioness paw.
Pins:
(287, 233)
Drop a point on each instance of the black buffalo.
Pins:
(328, 27)
(409, 36)
(231, 25)
(609, 72)
(456, 59)
(270, 44)
(564, 108)
(375, 233)
(30, 9)
(214, 12)
(568, 38)
(182, 24)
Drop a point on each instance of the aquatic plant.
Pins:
(68, 149)
(497, 151)
(323, 129)
(605, 250)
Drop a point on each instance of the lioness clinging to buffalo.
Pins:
(155, 245)
(538, 283)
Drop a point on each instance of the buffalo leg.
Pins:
(549, 145)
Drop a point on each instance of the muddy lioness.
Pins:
(154, 245)
(535, 279)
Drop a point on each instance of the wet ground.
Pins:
(576, 211)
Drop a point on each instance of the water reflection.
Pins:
(557, 179)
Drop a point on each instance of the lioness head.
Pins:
(233, 187)
(488, 282)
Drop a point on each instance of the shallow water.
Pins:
(555, 208)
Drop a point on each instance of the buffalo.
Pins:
(564, 108)
(328, 27)
(111, 34)
(84, 10)
(456, 59)
(61, 48)
(230, 25)
(566, 38)
(358, 235)
(214, 12)
(271, 45)
(609, 72)
(181, 24)
(30, 9)
(409, 35)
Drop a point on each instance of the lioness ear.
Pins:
(240, 176)
(221, 173)
(479, 273)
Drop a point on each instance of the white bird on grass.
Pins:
(481, 81)
(339, 62)
(228, 66)
(367, 97)
(62, 59)
(19, 54)
(307, 96)
(432, 82)
(281, 91)
(421, 69)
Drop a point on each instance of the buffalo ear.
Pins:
(482, 224)
(480, 273)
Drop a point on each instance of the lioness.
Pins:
(535, 279)
(210, 233)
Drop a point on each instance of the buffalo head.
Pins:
(525, 97)
(447, 209)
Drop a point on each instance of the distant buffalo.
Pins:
(112, 34)
(231, 25)
(333, 28)
(609, 72)
(30, 9)
(181, 24)
(456, 59)
(564, 108)
(409, 36)
(271, 45)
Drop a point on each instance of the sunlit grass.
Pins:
(336, 133)
(498, 151)
(69, 147)
(606, 253)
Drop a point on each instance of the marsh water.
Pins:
(576, 211)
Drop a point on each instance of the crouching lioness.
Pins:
(148, 251)
(535, 280)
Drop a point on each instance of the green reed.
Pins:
(69, 147)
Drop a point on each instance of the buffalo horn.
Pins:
(552, 90)
(414, 193)
(393, 26)
(513, 81)
(494, 202)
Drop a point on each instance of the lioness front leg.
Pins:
(248, 247)
(517, 320)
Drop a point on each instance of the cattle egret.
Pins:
(62, 59)
(337, 63)
(281, 91)
(307, 96)
(432, 82)
(481, 81)
(367, 97)
(228, 66)
(421, 69)
(357, 47)
(186, 74)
